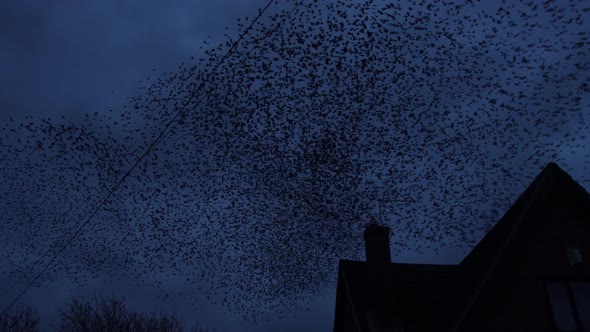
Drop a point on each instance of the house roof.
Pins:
(424, 288)
(485, 260)
(420, 287)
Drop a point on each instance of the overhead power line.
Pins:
(162, 134)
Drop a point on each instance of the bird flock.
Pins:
(429, 116)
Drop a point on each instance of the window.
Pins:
(581, 292)
(570, 302)
(574, 256)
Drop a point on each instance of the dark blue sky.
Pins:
(474, 84)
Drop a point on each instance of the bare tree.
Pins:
(110, 314)
(24, 319)
(197, 328)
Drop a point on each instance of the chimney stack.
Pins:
(377, 244)
(381, 313)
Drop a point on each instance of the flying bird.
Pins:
(281, 153)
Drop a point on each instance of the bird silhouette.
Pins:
(445, 110)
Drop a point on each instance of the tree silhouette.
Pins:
(278, 156)
(24, 319)
(110, 314)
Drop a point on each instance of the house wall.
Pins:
(345, 320)
(517, 298)
(349, 322)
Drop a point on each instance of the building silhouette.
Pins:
(531, 272)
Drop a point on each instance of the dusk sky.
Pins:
(430, 117)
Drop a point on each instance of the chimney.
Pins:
(381, 312)
(377, 244)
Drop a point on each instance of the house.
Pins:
(531, 272)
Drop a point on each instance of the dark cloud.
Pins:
(71, 55)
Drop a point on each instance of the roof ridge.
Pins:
(542, 182)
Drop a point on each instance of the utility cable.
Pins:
(167, 127)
